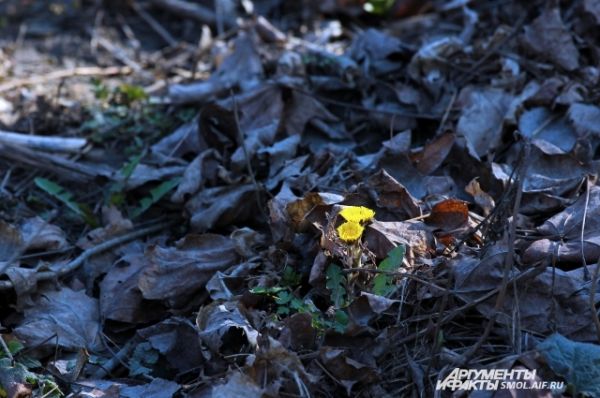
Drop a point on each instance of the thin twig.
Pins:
(242, 143)
(192, 10)
(117, 359)
(42, 142)
(510, 255)
(65, 73)
(6, 350)
(531, 272)
(153, 23)
(86, 254)
(515, 31)
(593, 299)
(586, 272)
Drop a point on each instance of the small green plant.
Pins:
(116, 191)
(383, 283)
(142, 360)
(66, 197)
(378, 7)
(288, 303)
(290, 277)
(156, 194)
(336, 283)
(20, 370)
(125, 115)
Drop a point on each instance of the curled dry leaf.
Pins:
(177, 339)
(224, 326)
(482, 198)
(448, 215)
(392, 196)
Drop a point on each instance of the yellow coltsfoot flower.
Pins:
(357, 214)
(350, 231)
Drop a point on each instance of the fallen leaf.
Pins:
(389, 194)
(548, 37)
(219, 206)
(551, 134)
(574, 361)
(64, 318)
(157, 388)
(482, 118)
(482, 198)
(177, 272)
(120, 297)
(562, 233)
(38, 234)
(177, 339)
(448, 215)
(223, 325)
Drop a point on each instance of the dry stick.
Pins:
(77, 262)
(42, 142)
(593, 299)
(364, 108)
(153, 23)
(493, 50)
(62, 74)
(49, 162)
(435, 348)
(117, 359)
(531, 272)
(192, 10)
(586, 272)
(242, 143)
(447, 111)
(6, 350)
(510, 253)
(398, 274)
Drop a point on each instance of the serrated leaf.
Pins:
(578, 363)
(383, 283)
(66, 197)
(284, 297)
(336, 283)
(156, 194)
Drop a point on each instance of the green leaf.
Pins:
(66, 197)
(156, 194)
(578, 363)
(290, 277)
(144, 356)
(378, 7)
(284, 297)
(116, 194)
(267, 290)
(340, 322)
(132, 93)
(14, 346)
(383, 283)
(336, 283)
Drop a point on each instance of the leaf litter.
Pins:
(346, 199)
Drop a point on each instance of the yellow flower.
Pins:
(357, 214)
(350, 231)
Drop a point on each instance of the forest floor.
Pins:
(275, 198)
